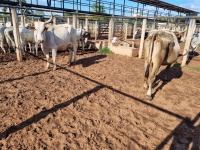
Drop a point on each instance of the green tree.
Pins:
(98, 7)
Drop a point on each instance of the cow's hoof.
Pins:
(146, 86)
(149, 97)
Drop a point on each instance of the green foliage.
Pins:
(105, 50)
(193, 68)
(97, 7)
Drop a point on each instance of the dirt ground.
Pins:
(97, 104)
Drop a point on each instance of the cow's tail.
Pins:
(151, 45)
(9, 38)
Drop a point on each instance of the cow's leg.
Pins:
(83, 45)
(25, 47)
(22, 46)
(9, 45)
(74, 51)
(151, 80)
(167, 70)
(1, 45)
(36, 49)
(30, 48)
(54, 52)
(70, 57)
(47, 56)
(146, 66)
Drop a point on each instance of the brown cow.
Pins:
(161, 48)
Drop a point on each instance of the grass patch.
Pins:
(105, 50)
(193, 68)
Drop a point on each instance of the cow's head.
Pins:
(40, 30)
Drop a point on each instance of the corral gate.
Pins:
(118, 29)
(103, 28)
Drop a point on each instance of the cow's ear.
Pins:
(31, 27)
(47, 28)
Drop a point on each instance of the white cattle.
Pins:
(26, 37)
(80, 36)
(55, 37)
(195, 42)
(2, 38)
(9, 37)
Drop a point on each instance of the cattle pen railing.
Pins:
(191, 26)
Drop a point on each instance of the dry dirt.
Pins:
(97, 104)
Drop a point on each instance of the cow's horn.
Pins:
(50, 19)
(24, 13)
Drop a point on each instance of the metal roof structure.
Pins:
(164, 5)
(109, 8)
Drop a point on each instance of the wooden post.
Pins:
(134, 30)
(86, 27)
(144, 23)
(54, 20)
(23, 18)
(110, 35)
(185, 33)
(74, 21)
(68, 20)
(96, 31)
(191, 29)
(153, 26)
(4, 21)
(16, 34)
(126, 30)
(77, 23)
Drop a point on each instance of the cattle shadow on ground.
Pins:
(175, 72)
(185, 136)
(191, 55)
(88, 61)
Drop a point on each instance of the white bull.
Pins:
(26, 37)
(2, 38)
(80, 36)
(195, 42)
(55, 37)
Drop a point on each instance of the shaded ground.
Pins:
(97, 104)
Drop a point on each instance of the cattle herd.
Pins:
(49, 37)
(161, 47)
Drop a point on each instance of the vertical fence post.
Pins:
(86, 27)
(96, 30)
(134, 30)
(191, 29)
(126, 30)
(144, 23)
(110, 34)
(16, 34)
(74, 20)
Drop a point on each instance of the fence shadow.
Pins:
(185, 136)
(43, 114)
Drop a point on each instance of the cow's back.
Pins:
(165, 48)
(63, 35)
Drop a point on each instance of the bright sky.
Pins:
(189, 4)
